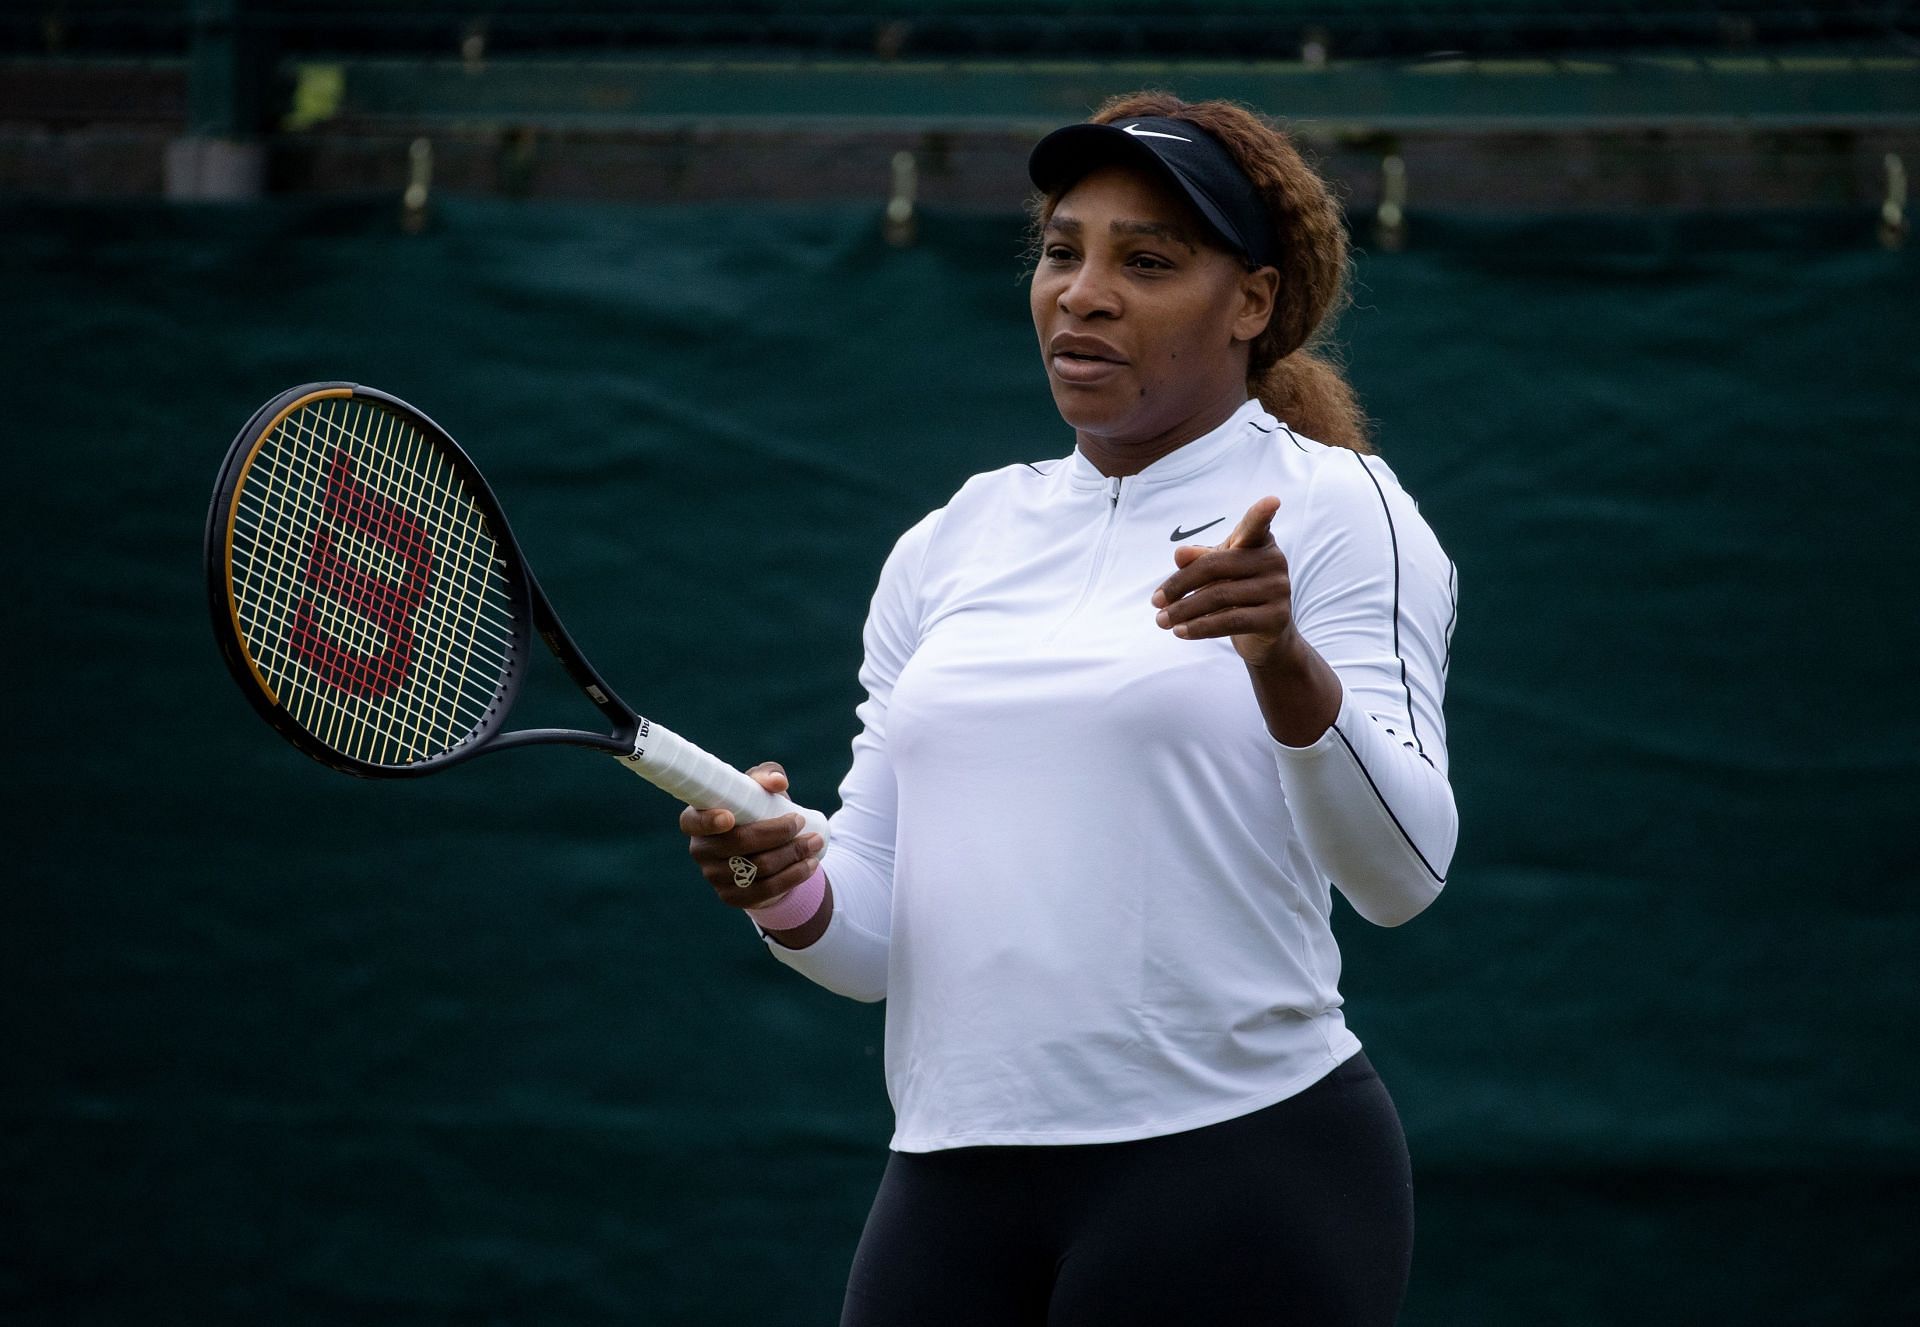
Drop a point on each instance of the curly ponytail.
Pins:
(1310, 393)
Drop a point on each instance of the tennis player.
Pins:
(1130, 714)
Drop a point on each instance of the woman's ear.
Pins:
(1259, 291)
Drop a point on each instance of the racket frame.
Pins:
(532, 613)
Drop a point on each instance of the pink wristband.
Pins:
(794, 908)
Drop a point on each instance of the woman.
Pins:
(1107, 773)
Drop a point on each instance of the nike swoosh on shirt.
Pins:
(1179, 534)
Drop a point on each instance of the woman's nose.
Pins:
(1091, 292)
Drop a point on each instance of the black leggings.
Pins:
(1301, 1212)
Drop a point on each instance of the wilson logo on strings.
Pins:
(386, 606)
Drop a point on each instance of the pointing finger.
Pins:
(1256, 527)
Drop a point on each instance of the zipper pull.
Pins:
(1116, 491)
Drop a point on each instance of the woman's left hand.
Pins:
(1240, 589)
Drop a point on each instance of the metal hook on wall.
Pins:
(413, 203)
(1390, 221)
(1893, 211)
(473, 47)
(901, 223)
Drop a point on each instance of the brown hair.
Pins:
(1287, 367)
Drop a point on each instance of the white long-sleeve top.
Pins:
(1091, 887)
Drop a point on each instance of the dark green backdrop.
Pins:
(285, 1047)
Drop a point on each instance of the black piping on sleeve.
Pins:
(1393, 538)
(1384, 806)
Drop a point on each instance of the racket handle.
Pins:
(673, 764)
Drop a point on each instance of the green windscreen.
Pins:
(287, 1047)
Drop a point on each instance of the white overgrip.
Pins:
(674, 765)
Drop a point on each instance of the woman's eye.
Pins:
(1059, 254)
(1151, 263)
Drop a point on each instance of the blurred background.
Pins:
(722, 298)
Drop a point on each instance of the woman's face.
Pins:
(1144, 322)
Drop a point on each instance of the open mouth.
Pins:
(1080, 368)
(1081, 360)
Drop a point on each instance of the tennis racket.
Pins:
(371, 603)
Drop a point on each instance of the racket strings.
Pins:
(380, 673)
(313, 628)
(361, 665)
(367, 584)
(361, 668)
(491, 627)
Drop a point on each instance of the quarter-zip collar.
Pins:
(1188, 459)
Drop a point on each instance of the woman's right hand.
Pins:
(782, 854)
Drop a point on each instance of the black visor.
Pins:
(1184, 154)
